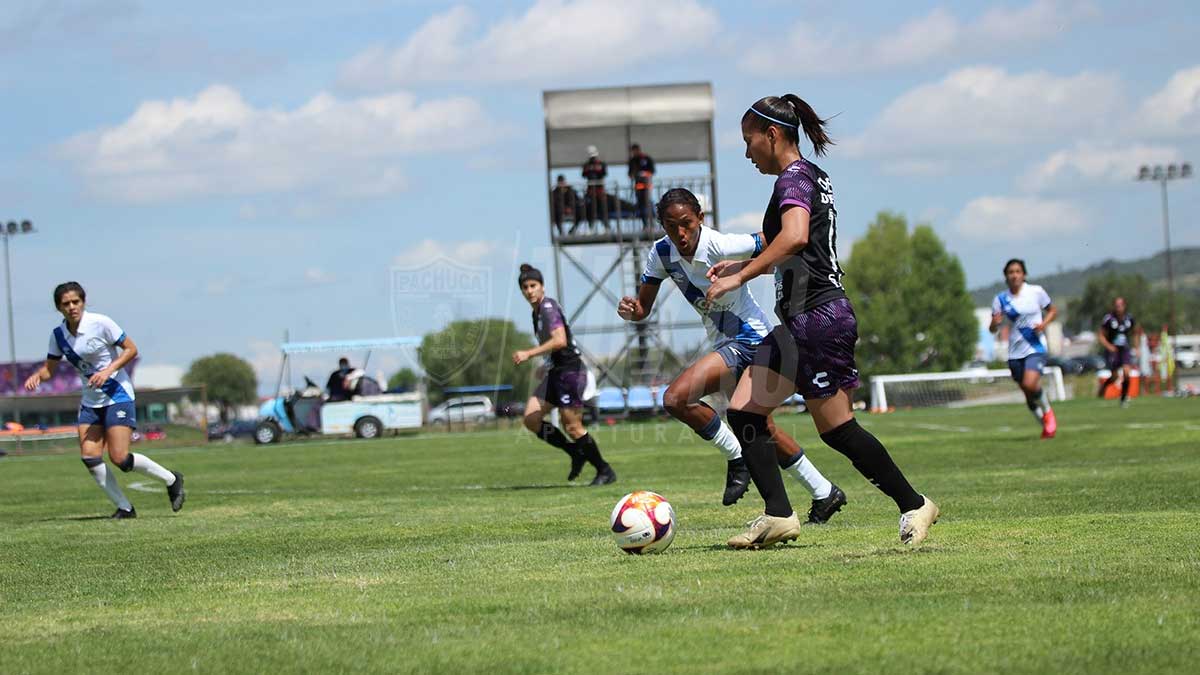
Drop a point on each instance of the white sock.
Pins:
(1037, 413)
(143, 464)
(805, 472)
(1037, 409)
(1044, 403)
(107, 480)
(727, 443)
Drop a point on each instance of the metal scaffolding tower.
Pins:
(673, 124)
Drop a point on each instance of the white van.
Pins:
(462, 409)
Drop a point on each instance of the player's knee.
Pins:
(675, 401)
(575, 430)
(747, 425)
(533, 421)
(126, 464)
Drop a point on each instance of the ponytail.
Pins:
(529, 272)
(791, 114)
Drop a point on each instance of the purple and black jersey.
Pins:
(811, 277)
(1118, 330)
(548, 316)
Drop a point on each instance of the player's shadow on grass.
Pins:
(76, 518)
(540, 486)
(777, 548)
(898, 550)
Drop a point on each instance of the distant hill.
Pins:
(1184, 261)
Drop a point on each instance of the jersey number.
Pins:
(836, 277)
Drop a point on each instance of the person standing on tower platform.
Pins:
(641, 174)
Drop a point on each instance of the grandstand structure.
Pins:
(602, 231)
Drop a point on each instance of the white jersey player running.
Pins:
(735, 325)
(107, 414)
(1022, 305)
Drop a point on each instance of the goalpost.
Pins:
(956, 389)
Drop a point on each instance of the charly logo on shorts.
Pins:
(441, 299)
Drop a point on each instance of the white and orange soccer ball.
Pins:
(643, 522)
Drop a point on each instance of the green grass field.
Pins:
(469, 552)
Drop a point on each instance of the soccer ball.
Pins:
(643, 522)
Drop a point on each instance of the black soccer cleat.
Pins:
(578, 461)
(737, 481)
(176, 493)
(823, 509)
(122, 514)
(604, 476)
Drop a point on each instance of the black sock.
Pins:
(873, 461)
(1125, 389)
(591, 451)
(758, 451)
(1106, 384)
(1031, 401)
(710, 430)
(558, 439)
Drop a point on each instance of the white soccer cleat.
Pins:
(915, 524)
(766, 531)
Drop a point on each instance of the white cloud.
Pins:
(751, 221)
(1174, 110)
(318, 276)
(218, 144)
(985, 108)
(931, 39)
(553, 38)
(157, 376)
(1094, 163)
(471, 252)
(1006, 219)
(220, 286)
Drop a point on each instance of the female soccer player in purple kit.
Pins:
(812, 350)
(735, 327)
(563, 385)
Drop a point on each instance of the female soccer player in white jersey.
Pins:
(812, 350)
(1023, 304)
(107, 416)
(563, 385)
(735, 326)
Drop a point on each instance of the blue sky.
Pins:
(216, 175)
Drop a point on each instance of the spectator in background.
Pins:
(641, 174)
(596, 200)
(564, 205)
(336, 386)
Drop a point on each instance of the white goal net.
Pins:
(956, 389)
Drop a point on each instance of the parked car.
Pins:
(1187, 355)
(462, 409)
(511, 409)
(235, 429)
(150, 433)
(1068, 366)
(1091, 363)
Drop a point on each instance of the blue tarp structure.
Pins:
(350, 345)
(477, 389)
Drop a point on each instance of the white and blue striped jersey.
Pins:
(1024, 310)
(736, 317)
(91, 349)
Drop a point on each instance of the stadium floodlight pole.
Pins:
(1163, 175)
(6, 233)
